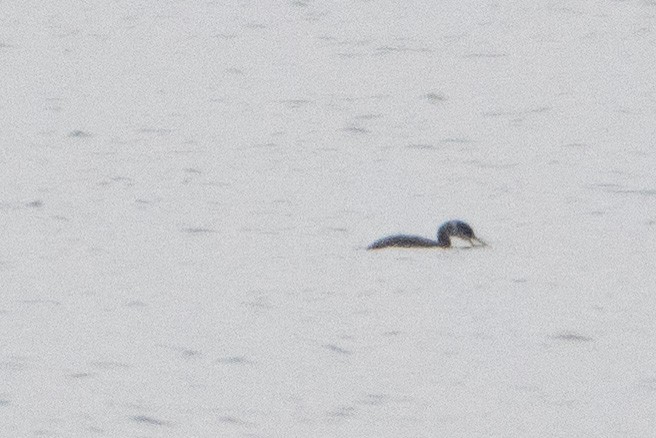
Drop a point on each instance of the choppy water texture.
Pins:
(187, 189)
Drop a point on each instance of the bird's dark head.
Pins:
(457, 228)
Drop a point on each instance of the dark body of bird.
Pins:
(453, 228)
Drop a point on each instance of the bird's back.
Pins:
(403, 241)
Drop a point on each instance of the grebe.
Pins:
(454, 228)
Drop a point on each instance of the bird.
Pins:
(452, 228)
